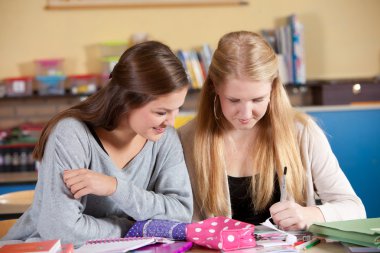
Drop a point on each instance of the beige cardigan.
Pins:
(325, 178)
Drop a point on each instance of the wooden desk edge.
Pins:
(18, 177)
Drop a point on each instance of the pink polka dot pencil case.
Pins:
(221, 233)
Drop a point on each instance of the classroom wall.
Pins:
(342, 36)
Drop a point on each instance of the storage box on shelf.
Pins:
(335, 92)
(83, 84)
(345, 91)
(49, 67)
(3, 89)
(110, 52)
(18, 86)
(108, 63)
(113, 48)
(49, 77)
(50, 85)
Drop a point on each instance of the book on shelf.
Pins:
(50, 246)
(284, 46)
(205, 51)
(119, 244)
(297, 44)
(196, 62)
(289, 42)
(184, 57)
(270, 36)
(197, 69)
(364, 232)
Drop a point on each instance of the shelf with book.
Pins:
(287, 40)
(196, 62)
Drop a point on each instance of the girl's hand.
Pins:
(289, 215)
(82, 182)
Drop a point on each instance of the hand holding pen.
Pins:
(288, 214)
(283, 186)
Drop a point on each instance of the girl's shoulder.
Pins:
(69, 136)
(70, 126)
(70, 121)
(308, 129)
(170, 135)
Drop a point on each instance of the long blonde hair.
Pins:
(242, 55)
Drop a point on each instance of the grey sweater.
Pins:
(154, 185)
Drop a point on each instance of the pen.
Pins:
(312, 244)
(283, 186)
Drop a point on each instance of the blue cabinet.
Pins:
(354, 135)
(16, 187)
(17, 181)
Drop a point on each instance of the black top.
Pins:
(241, 201)
(92, 130)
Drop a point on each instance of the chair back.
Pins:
(5, 225)
(17, 198)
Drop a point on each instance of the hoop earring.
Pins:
(216, 117)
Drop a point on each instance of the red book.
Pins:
(52, 246)
(67, 248)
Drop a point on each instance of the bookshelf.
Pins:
(89, 4)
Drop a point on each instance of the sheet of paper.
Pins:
(290, 239)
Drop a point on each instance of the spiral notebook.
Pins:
(119, 244)
(176, 247)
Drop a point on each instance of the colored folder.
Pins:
(365, 232)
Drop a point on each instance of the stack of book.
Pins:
(362, 232)
(288, 42)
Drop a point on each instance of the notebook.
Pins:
(365, 232)
(67, 248)
(176, 247)
(353, 248)
(119, 244)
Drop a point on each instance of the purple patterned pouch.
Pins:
(158, 228)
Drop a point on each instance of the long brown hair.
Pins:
(143, 72)
(246, 55)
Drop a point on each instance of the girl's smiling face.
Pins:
(151, 120)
